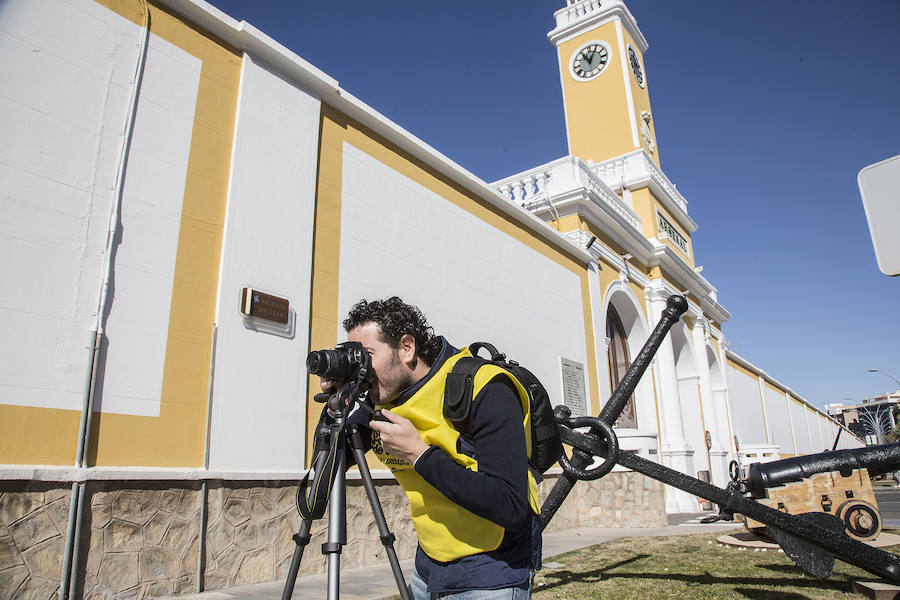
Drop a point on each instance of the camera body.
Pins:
(347, 362)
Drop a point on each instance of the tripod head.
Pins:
(349, 365)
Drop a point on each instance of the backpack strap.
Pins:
(458, 391)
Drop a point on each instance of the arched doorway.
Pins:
(619, 360)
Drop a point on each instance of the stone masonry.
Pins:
(33, 518)
(142, 539)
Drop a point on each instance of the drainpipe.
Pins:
(204, 488)
(69, 579)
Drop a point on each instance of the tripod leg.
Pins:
(301, 538)
(337, 527)
(387, 538)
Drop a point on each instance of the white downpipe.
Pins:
(70, 567)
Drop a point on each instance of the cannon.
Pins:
(812, 538)
(836, 482)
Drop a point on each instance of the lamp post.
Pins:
(886, 374)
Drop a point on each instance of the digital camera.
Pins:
(348, 361)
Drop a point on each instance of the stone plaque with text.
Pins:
(574, 394)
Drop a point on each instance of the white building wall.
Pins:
(62, 138)
(779, 423)
(747, 417)
(258, 412)
(801, 430)
(472, 281)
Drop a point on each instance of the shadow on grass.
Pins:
(769, 594)
(565, 577)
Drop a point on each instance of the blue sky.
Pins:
(765, 112)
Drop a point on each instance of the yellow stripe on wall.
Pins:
(176, 438)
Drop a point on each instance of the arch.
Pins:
(627, 308)
(716, 372)
(687, 375)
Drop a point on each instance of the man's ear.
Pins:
(407, 348)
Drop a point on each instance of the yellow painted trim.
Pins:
(40, 436)
(337, 129)
(176, 437)
(739, 367)
(787, 405)
(775, 388)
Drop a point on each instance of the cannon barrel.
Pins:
(877, 459)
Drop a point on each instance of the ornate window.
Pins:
(619, 361)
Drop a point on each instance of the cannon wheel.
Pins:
(862, 520)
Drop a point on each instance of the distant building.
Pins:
(863, 419)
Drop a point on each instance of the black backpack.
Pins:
(546, 444)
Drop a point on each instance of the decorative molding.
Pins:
(75, 474)
(569, 186)
(581, 15)
(600, 252)
(636, 169)
(629, 96)
(646, 132)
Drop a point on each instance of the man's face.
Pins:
(391, 372)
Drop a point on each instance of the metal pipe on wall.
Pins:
(69, 579)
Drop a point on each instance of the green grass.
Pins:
(688, 566)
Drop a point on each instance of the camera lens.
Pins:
(330, 364)
(314, 362)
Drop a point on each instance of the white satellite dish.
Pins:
(879, 186)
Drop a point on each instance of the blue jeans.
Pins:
(419, 590)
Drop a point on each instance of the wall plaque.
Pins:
(574, 395)
(265, 306)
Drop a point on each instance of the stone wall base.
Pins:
(142, 539)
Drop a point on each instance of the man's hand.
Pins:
(399, 436)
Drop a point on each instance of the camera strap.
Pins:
(312, 497)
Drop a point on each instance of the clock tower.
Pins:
(600, 51)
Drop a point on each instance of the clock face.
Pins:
(590, 61)
(636, 66)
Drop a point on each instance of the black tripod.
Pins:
(330, 484)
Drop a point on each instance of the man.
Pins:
(473, 501)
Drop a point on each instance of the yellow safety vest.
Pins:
(446, 531)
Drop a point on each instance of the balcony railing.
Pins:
(564, 178)
(575, 9)
(637, 169)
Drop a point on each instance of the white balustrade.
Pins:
(534, 189)
(577, 9)
(637, 166)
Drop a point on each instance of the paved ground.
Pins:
(888, 505)
(377, 582)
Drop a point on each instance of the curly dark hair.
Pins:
(395, 318)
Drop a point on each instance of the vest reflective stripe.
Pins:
(445, 530)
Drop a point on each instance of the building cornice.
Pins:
(73, 474)
(581, 15)
(602, 253)
(696, 285)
